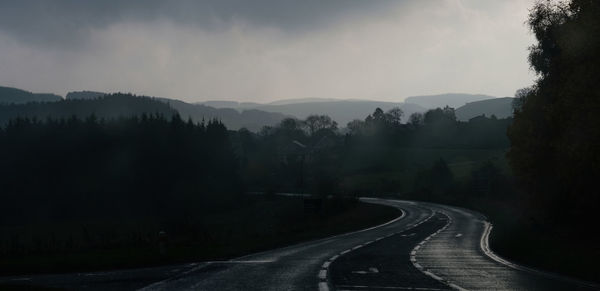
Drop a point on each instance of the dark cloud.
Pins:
(68, 22)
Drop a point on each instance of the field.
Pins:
(256, 223)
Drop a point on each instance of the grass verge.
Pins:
(257, 223)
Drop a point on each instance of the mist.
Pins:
(195, 52)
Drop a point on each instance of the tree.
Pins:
(555, 136)
(440, 115)
(416, 119)
(437, 182)
(356, 126)
(394, 116)
(315, 123)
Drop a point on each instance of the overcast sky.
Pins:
(265, 50)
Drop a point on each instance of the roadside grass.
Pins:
(562, 252)
(557, 249)
(257, 223)
(402, 165)
(409, 159)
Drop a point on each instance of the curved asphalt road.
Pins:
(431, 247)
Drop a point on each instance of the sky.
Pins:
(266, 50)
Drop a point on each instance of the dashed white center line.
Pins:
(354, 287)
(323, 274)
(323, 286)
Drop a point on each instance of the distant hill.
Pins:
(342, 111)
(500, 107)
(302, 100)
(229, 104)
(452, 100)
(10, 95)
(109, 106)
(84, 95)
(251, 119)
(85, 103)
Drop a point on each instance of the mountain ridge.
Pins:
(10, 95)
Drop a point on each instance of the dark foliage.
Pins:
(105, 107)
(313, 156)
(555, 139)
(10, 95)
(73, 169)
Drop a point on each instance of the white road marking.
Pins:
(323, 286)
(372, 270)
(459, 235)
(413, 256)
(241, 262)
(485, 246)
(323, 274)
(387, 287)
(326, 265)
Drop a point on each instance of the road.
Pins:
(430, 247)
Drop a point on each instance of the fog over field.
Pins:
(266, 50)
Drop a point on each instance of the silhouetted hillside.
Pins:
(251, 119)
(342, 111)
(302, 100)
(85, 103)
(443, 100)
(500, 107)
(84, 95)
(229, 104)
(108, 107)
(10, 95)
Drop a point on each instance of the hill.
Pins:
(342, 111)
(453, 100)
(10, 95)
(229, 104)
(108, 107)
(500, 107)
(252, 119)
(85, 103)
(302, 100)
(84, 95)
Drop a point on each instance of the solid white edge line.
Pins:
(413, 255)
(485, 247)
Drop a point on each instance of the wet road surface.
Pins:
(431, 247)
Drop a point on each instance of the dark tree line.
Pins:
(108, 107)
(436, 128)
(73, 169)
(555, 137)
(314, 156)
